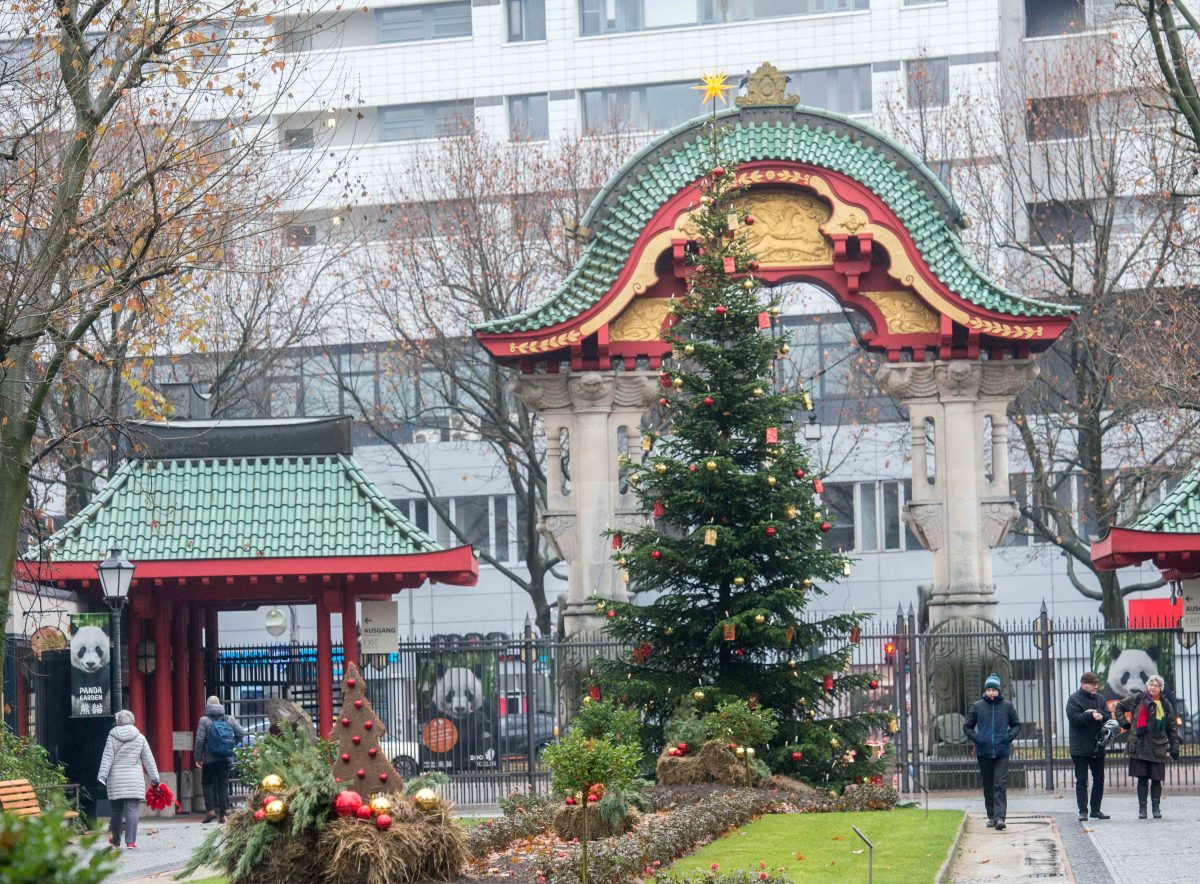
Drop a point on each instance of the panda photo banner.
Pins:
(91, 665)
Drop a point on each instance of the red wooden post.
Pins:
(179, 672)
(212, 645)
(137, 681)
(324, 667)
(349, 628)
(162, 688)
(195, 628)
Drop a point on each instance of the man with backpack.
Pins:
(217, 735)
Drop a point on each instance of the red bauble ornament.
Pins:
(682, 747)
(345, 722)
(749, 220)
(740, 652)
(592, 796)
(718, 171)
(770, 530)
(350, 682)
(719, 310)
(708, 400)
(874, 683)
(347, 802)
(345, 758)
(372, 751)
(368, 724)
(267, 799)
(733, 745)
(825, 526)
(796, 756)
(358, 704)
(656, 555)
(663, 402)
(361, 774)
(363, 812)
(383, 822)
(260, 815)
(611, 614)
(754, 265)
(672, 752)
(799, 474)
(664, 379)
(356, 739)
(692, 468)
(570, 801)
(383, 778)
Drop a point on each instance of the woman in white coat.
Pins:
(125, 755)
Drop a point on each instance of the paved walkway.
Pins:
(164, 847)
(1096, 852)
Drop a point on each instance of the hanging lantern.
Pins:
(818, 486)
(827, 685)
(893, 725)
(616, 541)
(710, 536)
(846, 568)
(855, 634)
(658, 509)
(729, 632)
(647, 443)
(788, 635)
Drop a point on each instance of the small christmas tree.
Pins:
(360, 762)
(734, 554)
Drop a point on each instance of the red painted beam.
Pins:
(1124, 546)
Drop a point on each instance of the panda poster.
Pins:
(456, 696)
(91, 665)
(1124, 661)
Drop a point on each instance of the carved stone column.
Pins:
(589, 412)
(963, 510)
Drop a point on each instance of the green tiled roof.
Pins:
(1179, 512)
(823, 139)
(239, 508)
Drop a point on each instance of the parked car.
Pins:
(514, 742)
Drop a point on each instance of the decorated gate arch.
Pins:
(836, 204)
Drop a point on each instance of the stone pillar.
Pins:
(966, 510)
(585, 415)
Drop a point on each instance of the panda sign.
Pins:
(1124, 661)
(456, 693)
(91, 666)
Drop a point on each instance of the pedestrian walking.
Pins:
(1086, 714)
(126, 755)
(217, 735)
(992, 724)
(1153, 738)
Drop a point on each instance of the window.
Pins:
(1048, 119)
(526, 20)
(529, 117)
(928, 82)
(410, 121)
(471, 519)
(301, 235)
(297, 139)
(500, 531)
(620, 16)
(1047, 18)
(1056, 222)
(432, 22)
(844, 90)
(638, 108)
(838, 501)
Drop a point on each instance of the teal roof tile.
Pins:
(642, 185)
(239, 508)
(1179, 511)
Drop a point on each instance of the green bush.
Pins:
(740, 876)
(23, 759)
(734, 721)
(579, 761)
(493, 835)
(517, 803)
(685, 726)
(604, 718)
(37, 849)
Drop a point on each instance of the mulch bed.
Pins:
(518, 862)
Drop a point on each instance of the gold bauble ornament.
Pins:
(774, 311)
(426, 799)
(677, 383)
(660, 468)
(272, 783)
(792, 512)
(757, 392)
(748, 284)
(792, 664)
(697, 696)
(760, 619)
(635, 479)
(750, 751)
(689, 349)
(771, 480)
(740, 752)
(807, 582)
(381, 804)
(739, 581)
(670, 630)
(711, 466)
(833, 742)
(622, 562)
(785, 350)
(275, 810)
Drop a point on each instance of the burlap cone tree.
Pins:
(361, 764)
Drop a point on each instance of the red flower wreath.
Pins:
(160, 797)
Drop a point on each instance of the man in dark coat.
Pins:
(992, 724)
(1086, 714)
(216, 736)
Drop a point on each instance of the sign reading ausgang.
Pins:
(380, 630)
(1190, 621)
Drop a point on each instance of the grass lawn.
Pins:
(823, 847)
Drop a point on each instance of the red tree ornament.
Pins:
(347, 802)
(720, 310)
(770, 530)
(797, 756)
(828, 684)
(656, 555)
(363, 812)
(362, 733)
(383, 822)
(825, 526)
(799, 474)
(818, 486)
(260, 815)
(616, 541)
(749, 220)
(718, 171)
(708, 400)
(594, 692)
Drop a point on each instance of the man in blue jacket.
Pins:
(992, 724)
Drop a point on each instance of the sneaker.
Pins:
(130, 846)
(1097, 815)
(114, 843)
(991, 824)
(999, 825)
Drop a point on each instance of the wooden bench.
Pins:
(18, 796)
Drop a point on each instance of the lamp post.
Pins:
(116, 574)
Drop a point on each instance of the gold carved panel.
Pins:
(787, 228)
(904, 312)
(641, 321)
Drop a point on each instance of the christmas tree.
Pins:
(724, 574)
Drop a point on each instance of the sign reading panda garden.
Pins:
(456, 693)
(91, 666)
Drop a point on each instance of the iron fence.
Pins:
(481, 709)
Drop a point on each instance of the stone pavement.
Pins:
(164, 846)
(1099, 851)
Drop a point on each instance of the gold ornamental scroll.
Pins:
(904, 313)
(641, 321)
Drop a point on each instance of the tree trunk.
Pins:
(14, 488)
(1112, 606)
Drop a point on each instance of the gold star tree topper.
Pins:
(714, 85)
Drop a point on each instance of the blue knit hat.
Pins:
(993, 681)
